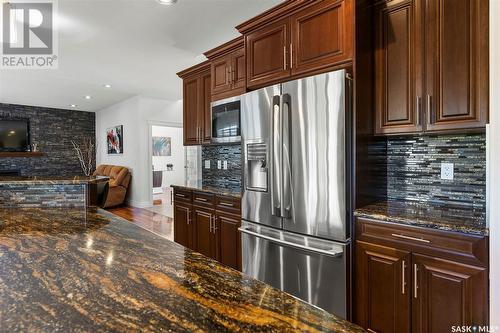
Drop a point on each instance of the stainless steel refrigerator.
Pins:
(296, 146)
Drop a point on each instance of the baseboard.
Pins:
(138, 204)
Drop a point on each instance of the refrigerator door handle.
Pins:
(247, 230)
(276, 153)
(286, 118)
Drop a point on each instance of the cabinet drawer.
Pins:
(449, 245)
(228, 204)
(182, 195)
(203, 199)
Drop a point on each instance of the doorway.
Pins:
(168, 161)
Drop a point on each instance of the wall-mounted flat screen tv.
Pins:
(14, 135)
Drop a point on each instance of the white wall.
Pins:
(494, 163)
(177, 175)
(134, 114)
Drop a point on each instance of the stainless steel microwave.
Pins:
(226, 120)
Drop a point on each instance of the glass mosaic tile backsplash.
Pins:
(229, 179)
(414, 169)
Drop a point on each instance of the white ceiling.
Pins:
(137, 46)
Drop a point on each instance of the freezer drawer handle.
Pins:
(290, 244)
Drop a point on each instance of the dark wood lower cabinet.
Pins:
(209, 225)
(229, 240)
(205, 238)
(420, 284)
(447, 294)
(183, 224)
(382, 284)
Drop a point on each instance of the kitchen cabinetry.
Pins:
(208, 224)
(431, 71)
(306, 38)
(228, 70)
(405, 276)
(196, 104)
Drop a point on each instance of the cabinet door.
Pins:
(267, 54)
(456, 64)
(183, 225)
(322, 35)
(191, 113)
(398, 67)
(205, 239)
(383, 291)
(228, 240)
(447, 294)
(205, 111)
(239, 71)
(221, 74)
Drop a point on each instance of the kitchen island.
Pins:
(65, 272)
(51, 191)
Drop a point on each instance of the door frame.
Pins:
(152, 123)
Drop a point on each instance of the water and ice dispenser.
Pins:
(257, 167)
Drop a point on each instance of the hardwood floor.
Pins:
(159, 224)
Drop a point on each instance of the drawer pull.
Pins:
(227, 204)
(411, 238)
(180, 195)
(201, 199)
(415, 281)
(403, 277)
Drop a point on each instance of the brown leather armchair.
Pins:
(119, 180)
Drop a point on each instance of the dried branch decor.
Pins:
(86, 154)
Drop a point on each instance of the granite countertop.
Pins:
(198, 186)
(421, 214)
(62, 272)
(52, 180)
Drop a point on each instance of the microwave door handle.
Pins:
(276, 153)
(286, 162)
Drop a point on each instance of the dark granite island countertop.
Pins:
(52, 180)
(63, 273)
(423, 214)
(198, 186)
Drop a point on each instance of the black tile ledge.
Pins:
(422, 214)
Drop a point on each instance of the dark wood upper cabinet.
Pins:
(267, 53)
(447, 294)
(228, 240)
(383, 289)
(398, 66)
(196, 101)
(228, 69)
(431, 65)
(457, 64)
(321, 35)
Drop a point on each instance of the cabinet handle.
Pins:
(403, 277)
(291, 55)
(211, 219)
(228, 72)
(284, 58)
(201, 199)
(419, 111)
(215, 225)
(429, 109)
(180, 195)
(189, 216)
(227, 204)
(411, 238)
(415, 282)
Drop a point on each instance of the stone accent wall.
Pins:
(52, 130)
(414, 169)
(44, 196)
(230, 179)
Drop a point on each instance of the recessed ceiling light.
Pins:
(73, 105)
(87, 97)
(106, 85)
(166, 2)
